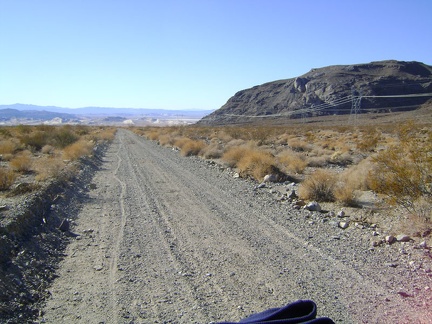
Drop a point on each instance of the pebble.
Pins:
(343, 225)
(403, 238)
(390, 239)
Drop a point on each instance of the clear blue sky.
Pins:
(191, 54)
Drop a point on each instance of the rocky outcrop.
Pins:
(329, 90)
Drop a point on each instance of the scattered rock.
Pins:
(423, 245)
(343, 225)
(236, 175)
(3, 207)
(313, 206)
(270, 178)
(404, 294)
(390, 239)
(64, 226)
(341, 214)
(403, 238)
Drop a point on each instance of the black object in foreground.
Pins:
(301, 311)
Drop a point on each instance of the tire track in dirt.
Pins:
(119, 238)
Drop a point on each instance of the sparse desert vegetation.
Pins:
(330, 163)
(32, 154)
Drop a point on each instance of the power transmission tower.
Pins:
(355, 105)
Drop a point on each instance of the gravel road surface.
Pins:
(171, 239)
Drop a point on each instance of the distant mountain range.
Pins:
(24, 113)
(384, 86)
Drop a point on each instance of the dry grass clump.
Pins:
(257, 164)
(233, 154)
(22, 162)
(250, 160)
(48, 168)
(166, 140)
(212, 151)
(318, 186)
(48, 149)
(7, 178)
(101, 134)
(78, 150)
(291, 162)
(298, 145)
(188, 146)
(7, 146)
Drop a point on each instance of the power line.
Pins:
(355, 106)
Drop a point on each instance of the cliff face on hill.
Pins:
(329, 90)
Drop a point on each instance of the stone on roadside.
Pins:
(270, 178)
(343, 225)
(341, 214)
(313, 206)
(390, 239)
(403, 238)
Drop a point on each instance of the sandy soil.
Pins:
(168, 239)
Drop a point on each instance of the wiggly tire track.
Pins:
(119, 238)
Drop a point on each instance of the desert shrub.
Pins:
(63, 137)
(166, 140)
(104, 134)
(344, 193)
(299, 145)
(291, 162)
(35, 140)
(7, 178)
(317, 161)
(341, 158)
(368, 141)
(46, 168)
(22, 162)
(152, 135)
(188, 146)
(5, 132)
(318, 186)
(233, 154)
(7, 146)
(256, 163)
(78, 149)
(357, 176)
(404, 172)
(47, 149)
(24, 129)
(212, 151)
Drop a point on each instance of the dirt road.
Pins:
(168, 239)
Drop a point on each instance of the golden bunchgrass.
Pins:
(291, 162)
(318, 186)
(22, 162)
(7, 178)
(77, 150)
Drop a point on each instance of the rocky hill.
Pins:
(384, 86)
